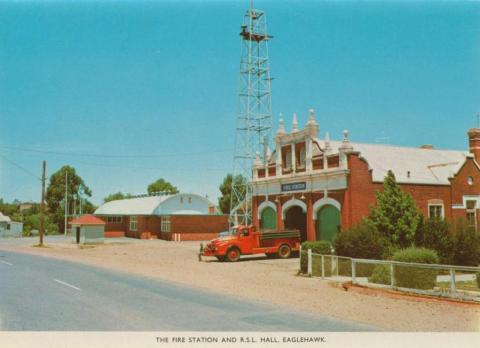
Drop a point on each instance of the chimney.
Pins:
(474, 142)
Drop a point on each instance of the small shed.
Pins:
(9, 228)
(88, 229)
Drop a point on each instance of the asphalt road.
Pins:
(43, 294)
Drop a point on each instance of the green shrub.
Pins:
(412, 277)
(478, 279)
(436, 234)
(467, 245)
(361, 241)
(317, 247)
(380, 275)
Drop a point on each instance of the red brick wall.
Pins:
(198, 224)
(423, 193)
(360, 193)
(460, 186)
(192, 227)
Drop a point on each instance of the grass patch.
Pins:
(86, 246)
(469, 285)
(40, 246)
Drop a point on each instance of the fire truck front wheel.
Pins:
(284, 251)
(233, 255)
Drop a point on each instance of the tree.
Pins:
(55, 197)
(116, 196)
(226, 190)
(435, 233)
(395, 216)
(467, 244)
(8, 209)
(161, 186)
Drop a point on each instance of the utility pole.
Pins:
(66, 202)
(42, 206)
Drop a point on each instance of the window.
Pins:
(472, 214)
(470, 180)
(165, 225)
(301, 158)
(288, 159)
(435, 211)
(133, 223)
(114, 219)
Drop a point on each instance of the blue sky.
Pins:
(98, 84)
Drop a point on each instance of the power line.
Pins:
(20, 167)
(68, 153)
(106, 165)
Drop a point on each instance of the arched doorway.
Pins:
(328, 223)
(268, 219)
(295, 218)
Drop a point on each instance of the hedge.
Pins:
(317, 247)
(361, 241)
(412, 277)
(467, 245)
(380, 275)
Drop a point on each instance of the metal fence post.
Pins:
(353, 272)
(300, 258)
(336, 264)
(392, 276)
(323, 266)
(309, 267)
(332, 271)
(453, 287)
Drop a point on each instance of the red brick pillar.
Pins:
(280, 225)
(311, 235)
(255, 221)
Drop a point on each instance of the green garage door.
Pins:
(268, 219)
(328, 223)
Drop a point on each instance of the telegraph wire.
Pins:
(20, 167)
(67, 153)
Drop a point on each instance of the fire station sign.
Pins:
(294, 186)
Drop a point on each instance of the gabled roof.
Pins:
(409, 164)
(4, 218)
(87, 219)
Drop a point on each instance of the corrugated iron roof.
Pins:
(409, 164)
(178, 204)
(4, 218)
(87, 219)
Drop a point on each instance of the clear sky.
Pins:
(127, 92)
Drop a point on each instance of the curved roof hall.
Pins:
(177, 204)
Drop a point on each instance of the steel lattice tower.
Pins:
(254, 120)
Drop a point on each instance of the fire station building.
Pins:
(323, 186)
(177, 217)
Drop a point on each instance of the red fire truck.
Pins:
(246, 240)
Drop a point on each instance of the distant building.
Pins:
(26, 205)
(322, 187)
(171, 217)
(9, 228)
